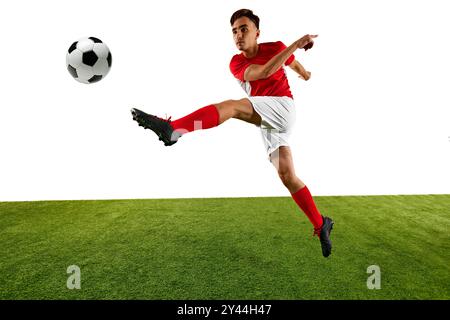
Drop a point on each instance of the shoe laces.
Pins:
(167, 119)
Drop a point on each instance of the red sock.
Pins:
(305, 201)
(204, 118)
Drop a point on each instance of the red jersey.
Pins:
(276, 85)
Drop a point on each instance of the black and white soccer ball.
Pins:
(88, 60)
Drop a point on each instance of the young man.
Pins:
(270, 106)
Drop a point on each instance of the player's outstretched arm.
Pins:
(300, 70)
(256, 72)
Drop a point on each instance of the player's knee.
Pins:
(232, 107)
(226, 107)
(229, 104)
(286, 176)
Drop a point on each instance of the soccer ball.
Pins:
(88, 60)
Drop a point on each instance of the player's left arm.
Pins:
(300, 70)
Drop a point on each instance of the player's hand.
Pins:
(306, 42)
(306, 76)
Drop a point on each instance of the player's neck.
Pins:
(251, 52)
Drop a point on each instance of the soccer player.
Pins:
(270, 106)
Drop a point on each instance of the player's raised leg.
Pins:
(169, 131)
(239, 109)
(283, 162)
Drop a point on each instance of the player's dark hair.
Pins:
(245, 13)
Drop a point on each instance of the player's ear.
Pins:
(257, 33)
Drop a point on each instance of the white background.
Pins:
(373, 119)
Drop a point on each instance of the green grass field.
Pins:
(225, 248)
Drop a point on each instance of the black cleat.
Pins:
(324, 236)
(161, 127)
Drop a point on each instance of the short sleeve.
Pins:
(281, 47)
(238, 67)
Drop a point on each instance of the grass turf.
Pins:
(225, 248)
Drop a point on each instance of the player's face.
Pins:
(245, 33)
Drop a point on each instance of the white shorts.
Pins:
(278, 118)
